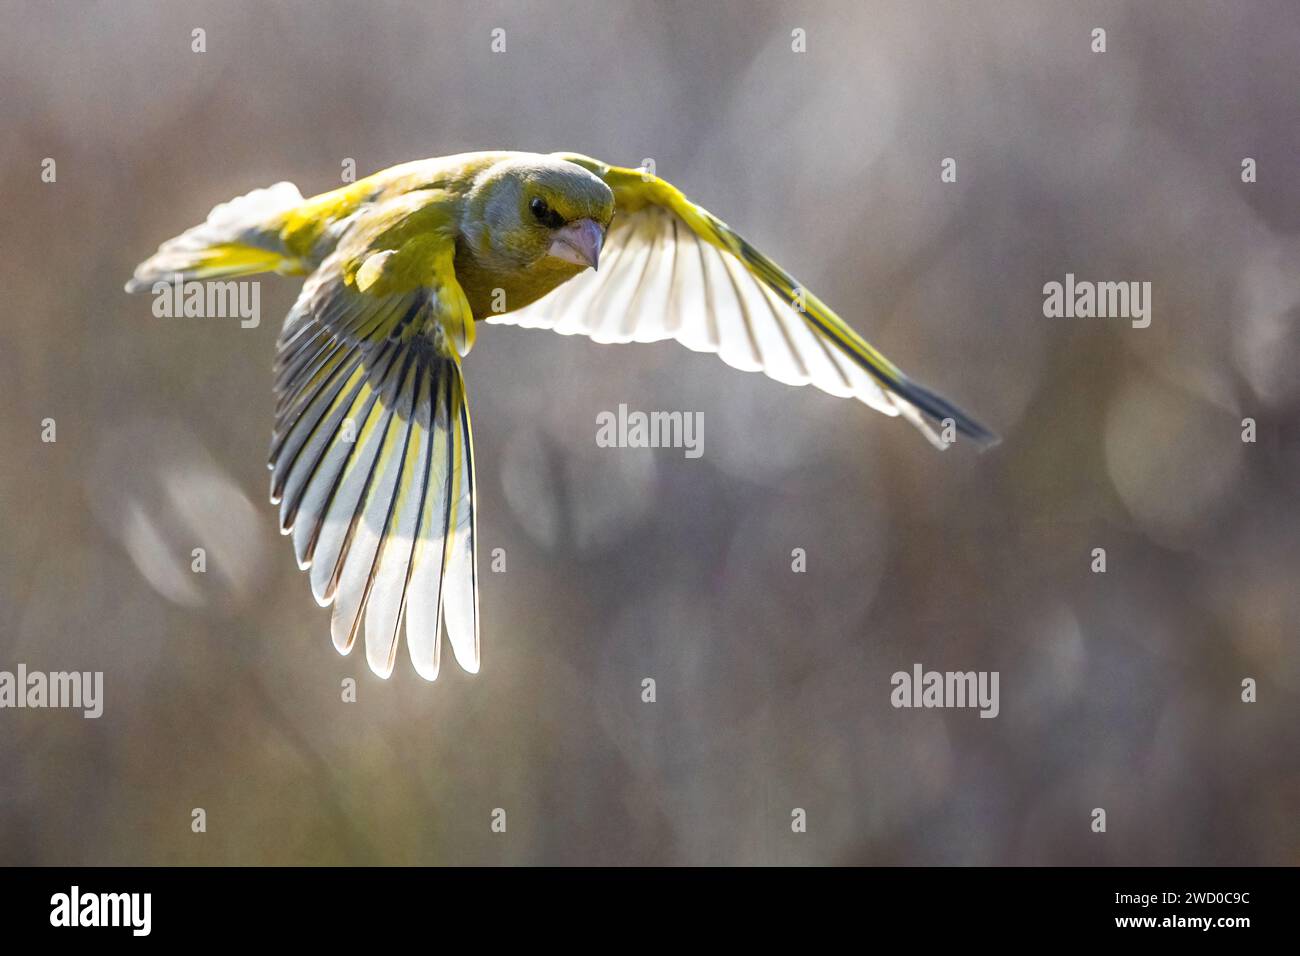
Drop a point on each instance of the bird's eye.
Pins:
(545, 214)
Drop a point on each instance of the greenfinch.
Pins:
(372, 461)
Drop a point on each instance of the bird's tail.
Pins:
(239, 237)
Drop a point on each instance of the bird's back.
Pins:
(312, 230)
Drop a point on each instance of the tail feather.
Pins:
(239, 237)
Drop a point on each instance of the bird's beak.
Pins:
(578, 242)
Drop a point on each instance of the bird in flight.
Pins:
(372, 462)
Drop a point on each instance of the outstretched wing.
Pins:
(372, 461)
(672, 270)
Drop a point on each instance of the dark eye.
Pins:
(545, 214)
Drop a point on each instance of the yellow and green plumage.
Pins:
(372, 458)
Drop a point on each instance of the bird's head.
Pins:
(540, 210)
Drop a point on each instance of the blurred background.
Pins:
(1118, 690)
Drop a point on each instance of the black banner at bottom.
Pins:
(339, 905)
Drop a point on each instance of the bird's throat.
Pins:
(494, 289)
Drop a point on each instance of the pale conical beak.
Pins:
(578, 242)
